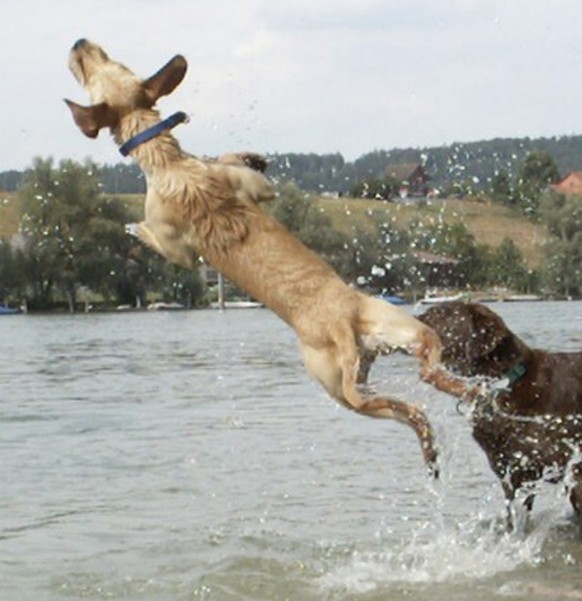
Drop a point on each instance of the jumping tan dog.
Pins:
(198, 208)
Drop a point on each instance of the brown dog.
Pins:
(532, 427)
(195, 207)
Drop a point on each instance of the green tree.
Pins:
(72, 235)
(501, 188)
(562, 264)
(291, 207)
(454, 241)
(297, 212)
(376, 255)
(535, 174)
(392, 264)
(507, 267)
(174, 283)
(11, 275)
(562, 268)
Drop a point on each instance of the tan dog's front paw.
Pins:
(132, 229)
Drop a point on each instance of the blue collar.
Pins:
(152, 132)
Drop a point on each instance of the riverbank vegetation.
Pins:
(63, 244)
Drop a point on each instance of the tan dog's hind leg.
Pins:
(383, 328)
(337, 368)
(433, 372)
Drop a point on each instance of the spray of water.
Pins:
(441, 553)
(441, 550)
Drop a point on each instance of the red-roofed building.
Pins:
(571, 184)
(411, 178)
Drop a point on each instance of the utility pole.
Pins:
(220, 292)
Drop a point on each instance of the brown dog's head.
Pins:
(476, 341)
(115, 90)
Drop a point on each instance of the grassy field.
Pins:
(489, 223)
(9, 214)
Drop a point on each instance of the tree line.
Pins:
(71, 247)
(472, 165)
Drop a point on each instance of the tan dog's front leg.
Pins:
(175, 252)
(144, 234)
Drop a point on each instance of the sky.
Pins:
(322, 76)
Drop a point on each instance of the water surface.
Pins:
(187, 456)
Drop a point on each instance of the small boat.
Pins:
(6, 310)
(161, 306)
(236, 305)
(522, 298)
(435, 300)
(393, 299)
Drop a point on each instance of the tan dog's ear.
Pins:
(166, 80)
(90, 119)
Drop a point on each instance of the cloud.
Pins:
(303, 76)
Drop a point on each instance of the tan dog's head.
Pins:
(476, 341)
(114, 90)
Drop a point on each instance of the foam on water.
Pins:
(440, 550)
(454, 554)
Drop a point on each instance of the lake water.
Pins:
(187, 456)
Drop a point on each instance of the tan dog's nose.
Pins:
(79, 43)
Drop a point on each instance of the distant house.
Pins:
(411, 177)
(571, 184)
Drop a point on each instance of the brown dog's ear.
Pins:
(453, 323)
(90, 119)
(166, 80)
(489, 331)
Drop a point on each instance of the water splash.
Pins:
(439, 554)
(440, 550)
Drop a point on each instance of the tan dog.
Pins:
(195, 207)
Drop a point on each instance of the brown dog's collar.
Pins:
(485, 404)
(514, 374)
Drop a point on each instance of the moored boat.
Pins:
(6, 310)
(236, 305)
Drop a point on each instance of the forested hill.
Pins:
(474, 162)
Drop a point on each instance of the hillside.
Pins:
(490, 223)
(9, 214)
(473, 162)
